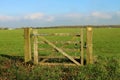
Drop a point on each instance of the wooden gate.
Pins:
(79, 60)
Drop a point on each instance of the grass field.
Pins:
(106, 41)
(106, 45)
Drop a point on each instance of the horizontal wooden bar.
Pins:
(60, 50)
(61, 42)
(65, 49)
(60, 57)
(57, 64)
(58, 34)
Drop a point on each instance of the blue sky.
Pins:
(22, 13)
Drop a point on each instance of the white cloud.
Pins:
(41, 19)
(74, 15)
(39, 16)
(34, 16)
(101, 15)
(118, 13)
(8, 18)
(50, 18)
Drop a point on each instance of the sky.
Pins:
(45, 13)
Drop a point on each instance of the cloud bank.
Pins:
(42, 20)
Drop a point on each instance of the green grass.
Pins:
(11, 42)
(106, 44)
(106, 68)
(106, 41)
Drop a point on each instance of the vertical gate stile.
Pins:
(27, 53)
(35, 46)
(89, 45)
(27, 45)
(82, 50)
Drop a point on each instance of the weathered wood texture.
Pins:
(53, 50)
(57, 57)
(89, 56)
(59, 34)
(27, 47)
(57, 64)
(89, 45)
(82, 49)
(59, 50)
(35, 46)
(61, 42)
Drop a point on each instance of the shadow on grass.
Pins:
(21, 59)
(14, 58)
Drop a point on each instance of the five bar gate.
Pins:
(35, 35)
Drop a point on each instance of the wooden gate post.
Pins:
(82, 50)
(27, 47)
(35, 46)
(89, 45)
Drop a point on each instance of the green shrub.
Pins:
(105, 68)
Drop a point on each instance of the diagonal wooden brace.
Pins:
(60, 50)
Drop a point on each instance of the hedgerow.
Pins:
(105, 68)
